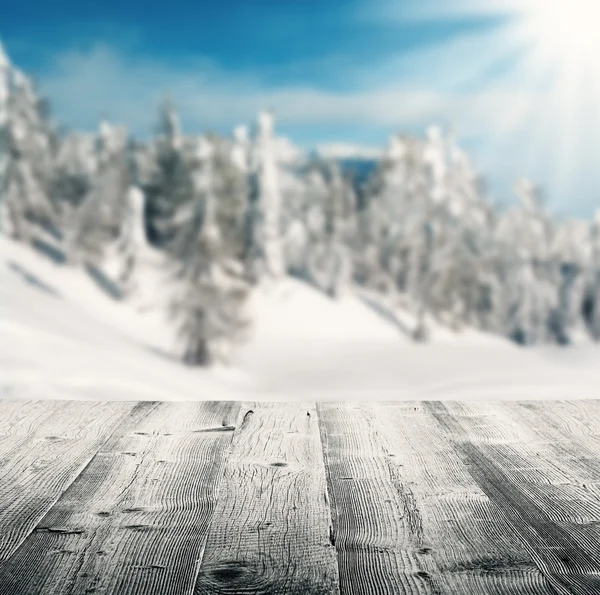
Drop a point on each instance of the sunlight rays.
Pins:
(567, 29)
(551, 48)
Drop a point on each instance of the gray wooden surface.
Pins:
(229, 498)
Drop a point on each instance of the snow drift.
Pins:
(65, 336)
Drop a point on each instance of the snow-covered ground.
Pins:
(62, 336)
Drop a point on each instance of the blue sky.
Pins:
(333, 70)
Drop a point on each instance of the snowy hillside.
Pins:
(102, 236)
(64, 336)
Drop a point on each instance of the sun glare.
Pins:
(553, 86)
(570, 29)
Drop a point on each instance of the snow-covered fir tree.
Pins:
(435, 157)
(4, 154)
(461, 288)
(27, 145)
(570, 260)
(264, 245)
(72, 177)
(376, 245)
(231, 192)
(97, 223)
(533, 300)
(169, 127)
(424, 192)
(240, 150)
(592, 303)
(294, 227)
(211, 292)
(530, 299)
(133, 248)
(169, 183)
(329, 215)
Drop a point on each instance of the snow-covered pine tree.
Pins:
(461, 276)
(208, 305)
(400, 222)
(341, 207)
(231, 190)
(240, 150)
(328, 263)
(366, 246)
(169, 127)
(488, 308)
(72, 176)
(294, 201)
(534, 301)
(4, 154)
(428, 191)
(264, 245)
(27, 140)
(569, 263)
(97, 222)
(294, 224)
(169, 184)
(394, 197)
(592, 302)
(531, 298)
(378, 243)
(310, 218)
(443, 226)
(296, 247)
(435, 158)
(133, 247)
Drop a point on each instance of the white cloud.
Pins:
(103, 83)
(85, 87)
(348, 151)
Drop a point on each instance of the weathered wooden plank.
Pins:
(377, 527)
(572, 427)
(470, 547)
(136, 519)
(44, 446)
(22, 420)
(19, 417)
(515, 469)
(19, 420)
(567, 435)
(557, 456)
(271, 529)
(579, 424)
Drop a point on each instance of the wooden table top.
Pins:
(193, 498)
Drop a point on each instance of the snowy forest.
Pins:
(221, 216)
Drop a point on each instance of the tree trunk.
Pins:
(421, 333)
(197, 354)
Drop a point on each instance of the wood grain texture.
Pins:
(223, 498)
(136, 519)
(270, 533)
(520, 473)
(20, 420)
(470, 547)
(377, 527)
(43, 447)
